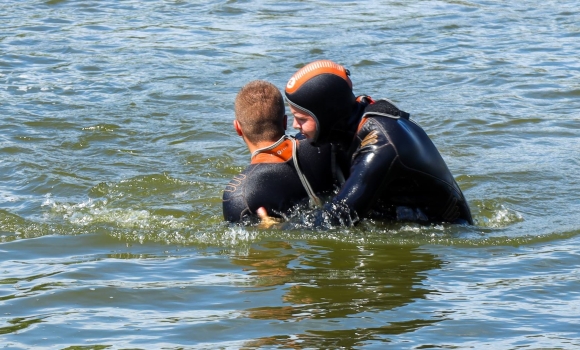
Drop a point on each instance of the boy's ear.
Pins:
(238, 128)
(285, 122)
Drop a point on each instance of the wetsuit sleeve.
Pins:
(234, 204)
(369, 170)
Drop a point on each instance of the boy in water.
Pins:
(275, 179)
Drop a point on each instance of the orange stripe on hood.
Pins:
(314, 69)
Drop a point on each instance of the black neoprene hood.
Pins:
(326, 96)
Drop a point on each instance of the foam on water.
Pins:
(143, 225)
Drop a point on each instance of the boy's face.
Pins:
(304, 123)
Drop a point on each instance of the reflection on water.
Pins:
(346, 284)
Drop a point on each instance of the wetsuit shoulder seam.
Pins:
(385, 133)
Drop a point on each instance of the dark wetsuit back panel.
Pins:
(395, 164)
(276, 186)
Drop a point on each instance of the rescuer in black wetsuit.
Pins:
(396, 172)
(275, 179)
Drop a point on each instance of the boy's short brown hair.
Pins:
(259, 109)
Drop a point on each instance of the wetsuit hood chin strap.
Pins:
(314, 200)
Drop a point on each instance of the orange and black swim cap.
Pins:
(323, 90)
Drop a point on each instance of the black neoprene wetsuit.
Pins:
(271, 181)
(396, 173)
